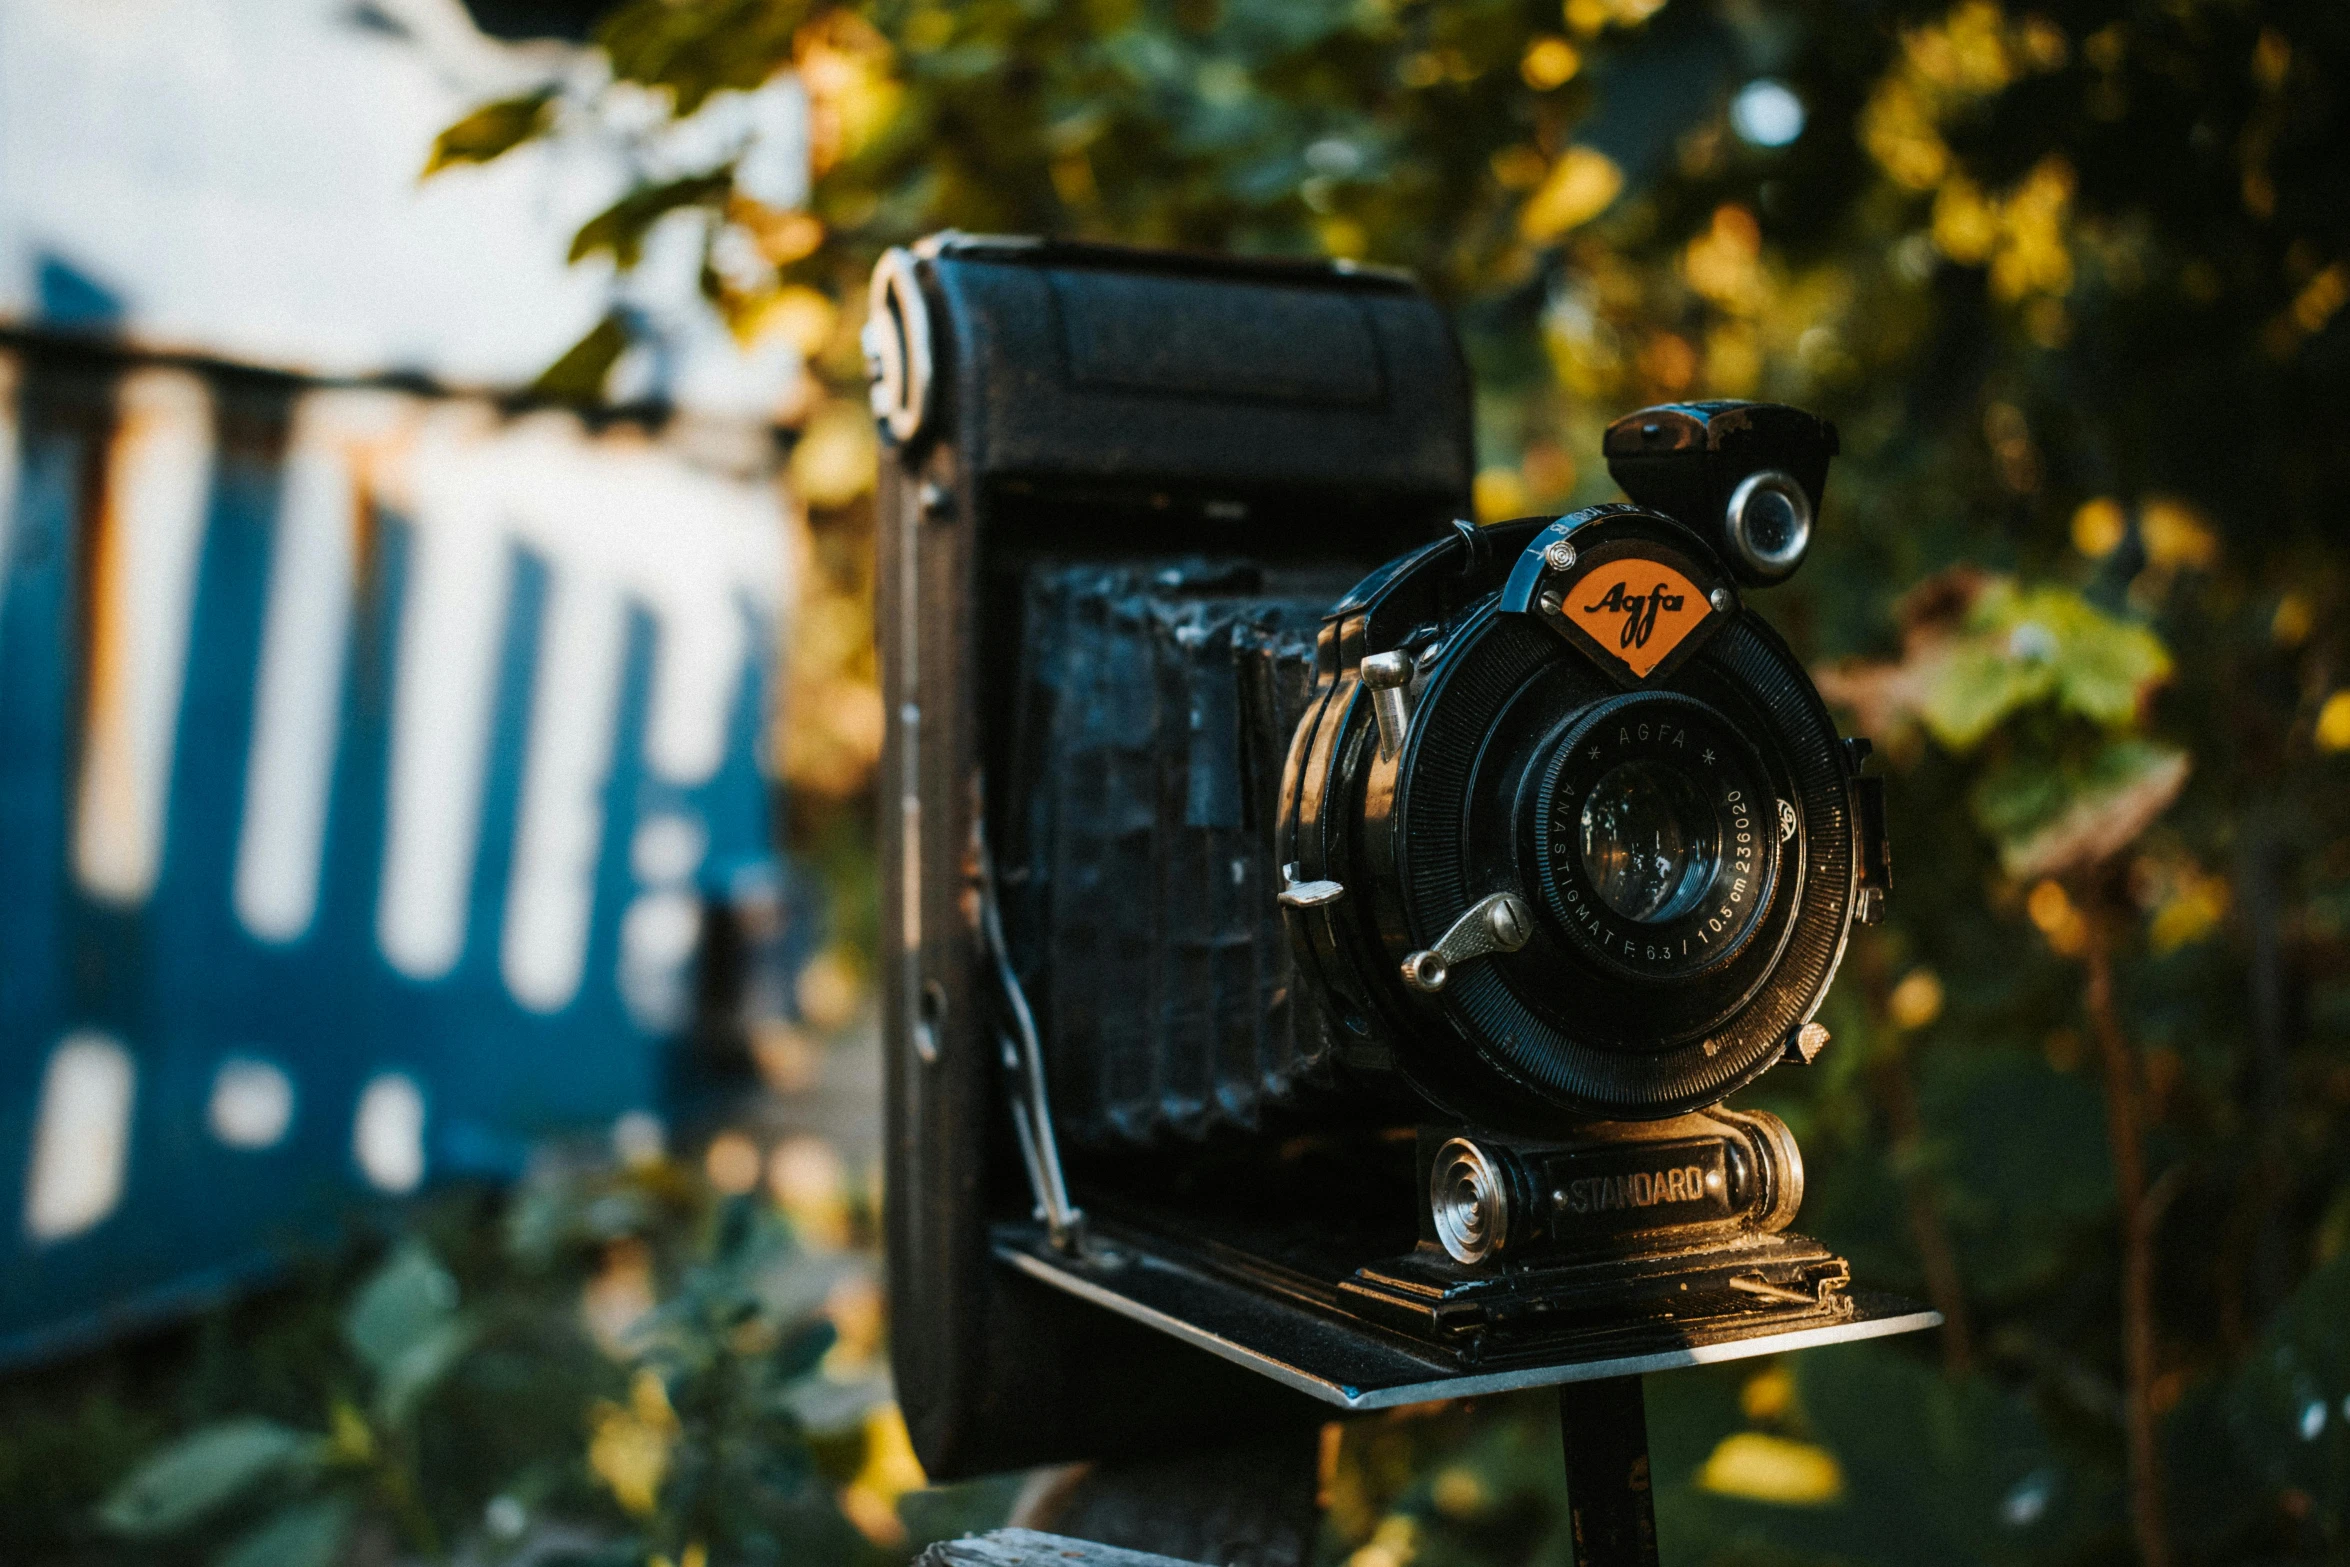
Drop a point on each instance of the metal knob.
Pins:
(1469, 1200)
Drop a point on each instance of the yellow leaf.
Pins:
(1768, 1394)
(352, 1440)
(1966, 223)
(2175, 536)
(2053, 912)
(783, 235)
(1723, 263)
(1499, 493)
(732, 1162)
(2193, 911)
(631, 1447)
(1393, 1544)
(2333, 723)
(1578, 188)
(1917, 1000)
(1763, 1468)
(810, 1185)
(2324, 294)
(834, 460)
(890, 1470)
(1549, 63)
(1899, 131)
(1343, 237)
(2099, 527)
(801, 314)
(1458, 1493)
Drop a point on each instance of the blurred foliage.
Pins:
(606, 1366)
(2070, 278)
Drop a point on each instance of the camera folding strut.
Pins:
(1319, 934)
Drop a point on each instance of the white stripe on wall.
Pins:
(142, 584)
(387, 1132)
(459, 570)
(574, 711)
(620, 523)
(289, 774)
(81, 1136)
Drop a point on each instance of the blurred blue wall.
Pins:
(370, 763)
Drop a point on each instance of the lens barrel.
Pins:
(1591, 723)
(1656, 840)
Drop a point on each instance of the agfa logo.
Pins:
(1639, 610)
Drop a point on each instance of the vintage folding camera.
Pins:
(1319, 933)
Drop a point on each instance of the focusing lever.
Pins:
(1500, 922)
(1032, 1111)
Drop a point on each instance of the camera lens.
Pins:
(1650, 840)
(1655, 830)
(1770, 523)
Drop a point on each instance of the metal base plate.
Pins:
(1353, 1364)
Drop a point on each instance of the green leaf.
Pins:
(201, 1472)
(308, 1534)
(2025, 646)
(803, 1348)
(1975, 688)
(696, 47)
(2050, 821)
(420, 1368)
(620, 229)
(409, 1300)
(578, 377)
(492, 130)
(2103, 665)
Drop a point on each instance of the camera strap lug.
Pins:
(1389, 675)
(1499, 922)
(1032, 1110)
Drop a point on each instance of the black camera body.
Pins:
(1318, 932)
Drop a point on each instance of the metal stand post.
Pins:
(1604, 1427)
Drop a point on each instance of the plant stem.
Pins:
(1937, 1254)
(395, 1483)
(2125, 1121)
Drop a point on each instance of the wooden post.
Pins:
(1603, 1426)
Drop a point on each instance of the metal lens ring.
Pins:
(1768, 523)
(1469, 1200)
(1657, 836)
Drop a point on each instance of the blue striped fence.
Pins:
(368, 761)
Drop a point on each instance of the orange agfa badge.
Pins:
(1639, 610)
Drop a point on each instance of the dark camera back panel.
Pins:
(1098, 406)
